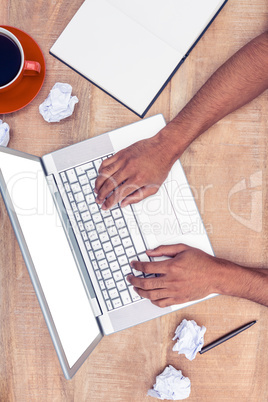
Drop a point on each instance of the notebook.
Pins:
(132, 48)
(77, 255)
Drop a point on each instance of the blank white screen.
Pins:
(52, 257)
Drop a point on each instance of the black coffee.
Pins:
(10, 59)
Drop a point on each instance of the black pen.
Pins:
(226, 337)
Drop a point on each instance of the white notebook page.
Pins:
(177, 22)
(116, 53)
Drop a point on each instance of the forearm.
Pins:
(242, 78)
(244, 282)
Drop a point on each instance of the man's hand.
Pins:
(133, 173)
(190, 274)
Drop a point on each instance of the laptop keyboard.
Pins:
(107, 239)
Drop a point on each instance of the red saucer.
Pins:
(28, 88)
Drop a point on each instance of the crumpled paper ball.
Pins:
(190, 338)
(59, 104)
(4, 134)
(171, 385)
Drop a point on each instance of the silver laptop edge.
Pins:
(67, 370)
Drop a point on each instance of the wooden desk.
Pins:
(124, 365)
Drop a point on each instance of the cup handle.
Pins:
(31, 68)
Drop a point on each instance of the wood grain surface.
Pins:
(124, 365)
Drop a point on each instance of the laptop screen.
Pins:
(44, 240)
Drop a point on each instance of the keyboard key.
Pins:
(118, 276)
(125, 296)
(97, 164)
(79, 196)
(136, 273)
(127, 242)
(116, 213)
(122, 260)
(92, 182)
(104, 237)
(91, 255)
(83, 180)
(105, 213)
(88, 165)
(98, 275)
(109, 222)
(71, 197)
(93, 208)
(110, 283)
(102, 286)
(96, 245)
(112, 231)
(77, 216)
(67, 187)
(79, 170)
(89, 225)
(119, 223)
(130, 252)
(106, 274)
(82, 206)
(121, 285)
(116, 241)
(134, 295)
(91, 173)
(123, 233)
(114, 266)
(100, 227)
(100, 255)
(63, 177)
(105, 294)
(117, 303)
(111, 256)
(75, 187)
(143, 257)
(84, 235)
(119, 250)
(88, 246)
(85, 216)
(97, 217)
(109, 304)
(92, 235)
(71, 175)
(73, 204)
(94, 264)
(126, 270)
(135, 234)
(107, 247)
(103, 264)
(86, 189)
(90, 198)
(113, 293)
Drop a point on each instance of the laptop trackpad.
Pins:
(157, 219)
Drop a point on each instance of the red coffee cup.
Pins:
(13, 64)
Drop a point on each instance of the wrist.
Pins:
(178, 134)
(238, 281)
(227, 277)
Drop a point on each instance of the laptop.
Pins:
(77, 255)
(132, 48)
